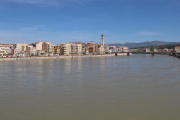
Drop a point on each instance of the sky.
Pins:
(64, 21)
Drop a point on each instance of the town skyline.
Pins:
(59, 21)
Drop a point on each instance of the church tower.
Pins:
(102, 40)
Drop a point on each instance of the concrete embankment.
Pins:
(58, 57)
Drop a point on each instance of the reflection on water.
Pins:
(138, 87)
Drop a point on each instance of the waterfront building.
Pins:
(155, 50)
(177, 48)
(7, 45)
(38, 45)
(125, 49)
(56, 49)
(16, 52)
(21, 47)
(76, 49)
(41, 53)
(3, 52)
(65, 48)
(79, 49)
(73, 49)
(83, 47)
(166, 50)
(33, 51)
(146, 50)
(112, 48)
(90, 48)
(30, 50)
(106, 47)
(119, 49)
(49, 47)
(46, 47)
(101, 50)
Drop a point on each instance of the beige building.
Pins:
(65, 48)
(49, 47)
(125, 49)
(33, 51)
(30, 50)
(39, 45)
(21, 47)
(79, 49)
(3, 52)
(101, 50)
(76, 49)
(44, 46)
(146, 50)
(177, 48)
(73, 49)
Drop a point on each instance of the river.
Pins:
(137, 87)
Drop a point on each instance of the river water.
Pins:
(138, 87)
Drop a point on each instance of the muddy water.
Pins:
(138, 87)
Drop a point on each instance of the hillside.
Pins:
(145, 44)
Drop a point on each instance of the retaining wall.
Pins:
(58, 57)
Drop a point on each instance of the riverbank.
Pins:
(58, 57)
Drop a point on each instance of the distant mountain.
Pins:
(145, 44)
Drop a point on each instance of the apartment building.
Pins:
(177, 48)
(65, 48)
(49, 47)
(125, 49)
(6, 45)
(16, 52)
(83, 47)
(112, 48)
(73, 48)
(79, 49)
(90, 47)
(56, 50)
(44, 46)
(38, 45)
(3, 52)
(146, 50)
(119, 49)
(30, 50)
(21, 47)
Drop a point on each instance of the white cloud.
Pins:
(143, 33)
(43, 2)
(30, 35)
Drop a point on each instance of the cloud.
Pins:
(45, 3)
(29, 28)
(31, 35)
(42, 2)
(148, 33)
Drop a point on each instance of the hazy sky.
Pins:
(59, 21)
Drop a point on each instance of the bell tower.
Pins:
(102, 40)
